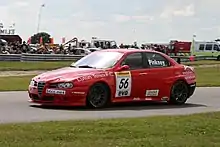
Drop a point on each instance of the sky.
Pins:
(125, 21)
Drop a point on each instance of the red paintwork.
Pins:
(84, 78)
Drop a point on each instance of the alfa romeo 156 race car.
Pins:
(115, 75)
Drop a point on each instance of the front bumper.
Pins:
(72, 97)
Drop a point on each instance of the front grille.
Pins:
(40, 87)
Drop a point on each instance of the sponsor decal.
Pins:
(156, 62)
(148, 99)
(53, 91)
(188, 73)
(84, 78)
(136, 99)
(94, 76)
(164, 98)
(152, 92)
(123, 84)
(79, 93)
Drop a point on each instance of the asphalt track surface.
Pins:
(14, 107)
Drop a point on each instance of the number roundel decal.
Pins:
(123, 84)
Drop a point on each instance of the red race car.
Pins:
(115, 75)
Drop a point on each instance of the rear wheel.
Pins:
(179, 93)
(98, 96)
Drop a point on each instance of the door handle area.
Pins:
(143, 73)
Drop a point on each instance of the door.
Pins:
(159, 76)
(216, 51)
(208, 50)
(129, 82)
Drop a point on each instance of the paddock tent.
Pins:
(11, 38)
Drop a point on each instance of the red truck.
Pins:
(179, 48)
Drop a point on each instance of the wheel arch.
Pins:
(105, 84)
(182, 80)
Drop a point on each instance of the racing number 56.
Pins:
(123, 83)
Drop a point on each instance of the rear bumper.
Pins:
(192, 88)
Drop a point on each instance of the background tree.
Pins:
(36, 38)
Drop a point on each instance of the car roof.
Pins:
(129, 50)
(132, 50)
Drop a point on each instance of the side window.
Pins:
(208, 47)
(134, 61)
(201, 47)
(155, 60)
(216, 47)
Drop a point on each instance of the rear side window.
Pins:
(155, 60)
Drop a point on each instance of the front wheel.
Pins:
(179, 93)
(98, 96)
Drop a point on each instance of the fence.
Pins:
(61, 57)
(39, 57)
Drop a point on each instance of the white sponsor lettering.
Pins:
(148, 99)
(152, 92)
(94, 76)
(53, 91)
(136, 99)
(155, 62)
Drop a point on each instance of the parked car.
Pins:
(82, 51)
(94, 49)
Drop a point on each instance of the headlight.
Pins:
(65, 85)
(32, 82)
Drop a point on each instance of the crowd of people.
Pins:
(18, 48)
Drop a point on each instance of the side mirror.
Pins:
(123, 67)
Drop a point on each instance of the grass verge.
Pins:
(27, 66)
(202, 62)
(162, 131)
(16, 83)
(206, 77)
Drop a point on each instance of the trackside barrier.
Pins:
(196, 58)
(61, 57)
(10, 57)
(50, 57)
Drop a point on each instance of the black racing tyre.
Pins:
(98, 96)
(179, 93)
(218, 58)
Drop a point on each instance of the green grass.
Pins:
(200, 130)
(12, 66)
(20, 66)
(16, 83)
(208, 77)
(202, 62)
(205, 77)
